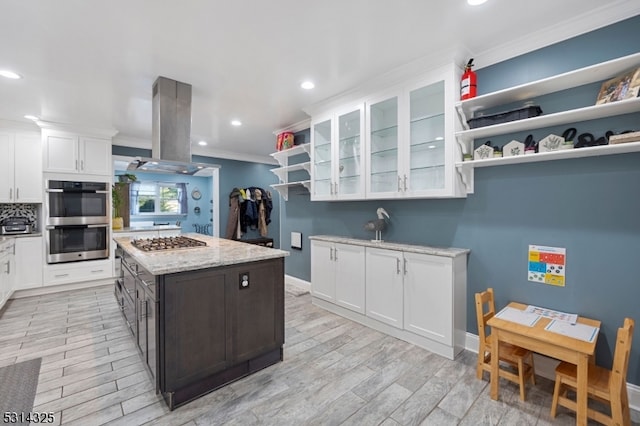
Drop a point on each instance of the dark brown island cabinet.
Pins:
(202, 317)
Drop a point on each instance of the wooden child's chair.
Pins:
(608, 386)
(518, 358)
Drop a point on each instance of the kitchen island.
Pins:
(202, 317)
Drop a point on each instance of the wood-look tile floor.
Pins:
(335, 372)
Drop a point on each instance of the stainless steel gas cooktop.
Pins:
(167, 243)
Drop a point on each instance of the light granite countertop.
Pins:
(7, 238)
(435, 251)
(218, 252)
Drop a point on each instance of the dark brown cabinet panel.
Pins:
(199, 330)
(195, 325)
(258, 307)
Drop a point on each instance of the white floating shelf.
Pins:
(571, 116)
(281, 172)
(283, 188)
(295, 150)
(554, 155)
(591, 74)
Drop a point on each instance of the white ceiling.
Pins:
(93, 63)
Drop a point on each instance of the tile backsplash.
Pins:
(29, 211)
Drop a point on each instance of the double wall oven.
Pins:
(77, 220)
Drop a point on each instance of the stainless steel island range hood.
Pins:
(171, 131)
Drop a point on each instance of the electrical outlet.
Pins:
(243, 280)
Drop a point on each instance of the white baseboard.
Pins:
(546, 367)
(38, 291)
(305, 285)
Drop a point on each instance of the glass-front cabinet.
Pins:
(383, 179)
(337, 166)
(321, 170)
(425, 161)
(407, 143)
(410, 142)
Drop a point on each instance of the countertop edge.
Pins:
(413, 248)
(114, 232)
(161, 266)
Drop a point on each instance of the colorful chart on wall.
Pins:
(547, 265)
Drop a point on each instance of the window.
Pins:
(158, 198)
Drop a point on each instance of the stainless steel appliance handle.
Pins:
(101, 192)
(106, 225)
(54, 190)
(143, 309)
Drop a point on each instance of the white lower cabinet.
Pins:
(77, 272)
(384, 285)
(7, 272)
(414, 293)
(337, 274)
(29, 262)
(424, 314)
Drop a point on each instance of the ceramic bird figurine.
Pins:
(379, 224)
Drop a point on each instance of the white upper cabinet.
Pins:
(72, 153)
(337, 155)
(20, 168)
(406, 150)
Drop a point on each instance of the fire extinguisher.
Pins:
(468, 84)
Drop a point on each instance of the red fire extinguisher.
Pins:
(468, 84)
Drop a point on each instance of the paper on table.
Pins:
(519, 316)
(548, 313)
(577, 331)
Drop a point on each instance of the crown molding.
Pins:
(132, 142)
(229, 155)
(73, 128)
(296, 127)
(607, 14)
(29, 126)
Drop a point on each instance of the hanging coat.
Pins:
(233, 221)
(262, 216)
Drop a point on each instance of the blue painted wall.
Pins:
(203, 184)
(243, 174)
(588, 206)
(232, 174)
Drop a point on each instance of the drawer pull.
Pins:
(61, 275)
(97, 270)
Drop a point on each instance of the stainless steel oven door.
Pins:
(72, 243)
(76, 203)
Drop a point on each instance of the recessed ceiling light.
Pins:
(202, 143)
(476, 2)
(236, 123)
(439, 138)
(31, 117)
(10, 74)
(307, 85)
(431, 146)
